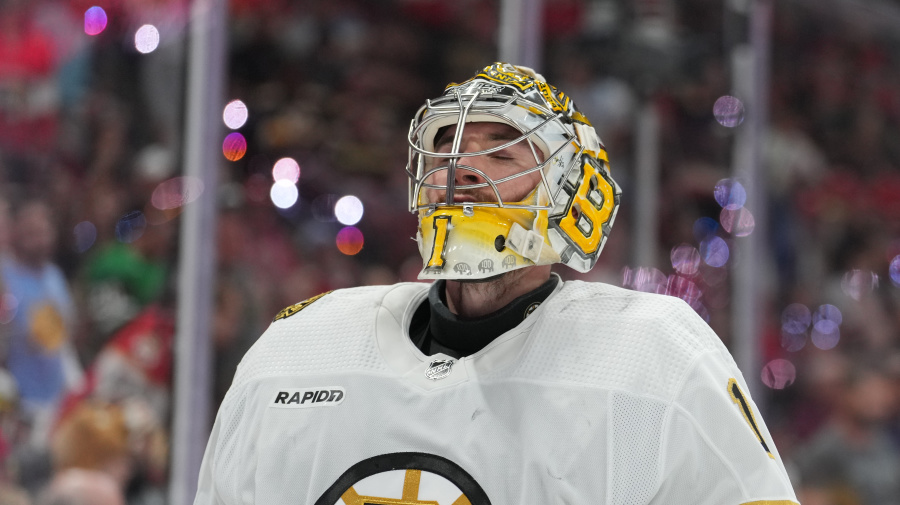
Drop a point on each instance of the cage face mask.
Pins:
(505, 173)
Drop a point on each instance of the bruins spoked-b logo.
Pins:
(405, 478)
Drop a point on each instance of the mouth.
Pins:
(461, 198)
(457, 198)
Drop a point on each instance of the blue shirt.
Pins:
(39, 329)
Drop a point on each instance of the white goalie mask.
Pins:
(467, 230)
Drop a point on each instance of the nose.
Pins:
(462, 176)
(465, 177)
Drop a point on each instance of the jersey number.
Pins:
(737, 396)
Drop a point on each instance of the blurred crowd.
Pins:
(91, 142)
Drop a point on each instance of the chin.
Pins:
(483, 280)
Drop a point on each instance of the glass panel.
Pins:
(90, 193)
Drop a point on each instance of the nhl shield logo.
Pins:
(439, 369)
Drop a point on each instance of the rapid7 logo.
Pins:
(311, 397)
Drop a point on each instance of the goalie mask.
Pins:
(505, 173)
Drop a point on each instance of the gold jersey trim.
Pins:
(297, 307)
(771, 502)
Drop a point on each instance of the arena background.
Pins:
(210, 163)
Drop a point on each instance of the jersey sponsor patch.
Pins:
(310, 397)
(405, 478)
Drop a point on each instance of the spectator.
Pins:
(82, 487)
(852, 459)
(94, 436)
(41, 356)
(136, 362)
(28, 91)
(10, 431)
(124, 277)
(124, 440)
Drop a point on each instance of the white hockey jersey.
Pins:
(600, 396)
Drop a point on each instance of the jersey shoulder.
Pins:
(610, 337)
(662, 318)
(330, 332)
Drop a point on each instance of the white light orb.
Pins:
(348, 210)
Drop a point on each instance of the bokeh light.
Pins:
(778, 374)
(9, 305)
(714, 251)
(704, 227)
(829, 313)
(792, 342)
(826, 331)
(94, 20)
(85, 235)
(235, 114)
(685, 259)
(349, 240)
(894, 270)
(284, 194)
(176, 192)
(825, 334)
(131, 226)
(628, 277)
(645, 279)
(235, 146)
(738, 222)
(796, 318)
(286, 169)
(348, 210)
(683, 288)
(146, 39)
(730, 194)
(858, 283)
(729, 111)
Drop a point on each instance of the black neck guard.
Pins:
(435, 329)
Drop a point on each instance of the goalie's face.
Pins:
(507, 168)
(506, 173)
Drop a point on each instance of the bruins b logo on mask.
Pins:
(376, 481)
